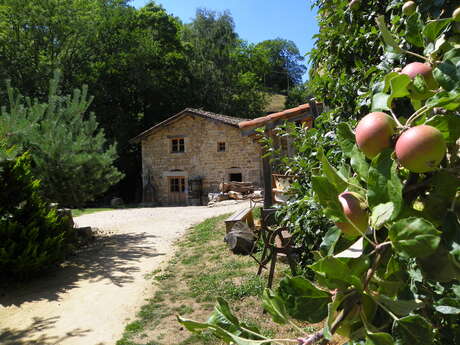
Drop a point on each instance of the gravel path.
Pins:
(91, 299)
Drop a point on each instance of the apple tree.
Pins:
(388, 271)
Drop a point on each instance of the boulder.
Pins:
(115, 202)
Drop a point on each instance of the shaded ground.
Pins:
(90, 299)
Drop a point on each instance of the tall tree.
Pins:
(220, 79)
(285, 66)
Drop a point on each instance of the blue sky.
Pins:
(255, 20)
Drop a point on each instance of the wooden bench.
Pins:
(244, 215)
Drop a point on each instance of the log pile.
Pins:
(239, 187)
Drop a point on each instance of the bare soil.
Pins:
(90, 298)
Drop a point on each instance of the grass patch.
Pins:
(201, 269)
(81, 212)
(275, 103)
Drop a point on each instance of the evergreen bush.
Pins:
(69, 151)
(32, 235)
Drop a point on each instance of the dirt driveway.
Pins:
(90, 300)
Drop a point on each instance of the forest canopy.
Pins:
(140, 64)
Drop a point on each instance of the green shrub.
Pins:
(32, 235)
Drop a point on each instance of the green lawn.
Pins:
(79, 212)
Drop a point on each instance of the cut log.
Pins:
(240, 239)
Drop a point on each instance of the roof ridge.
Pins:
(226, 119)
(207, 112)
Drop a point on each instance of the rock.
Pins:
(67, 214)
(116, 202)
(85, 232)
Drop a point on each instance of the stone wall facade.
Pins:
(201, 157)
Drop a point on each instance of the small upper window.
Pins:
(221, 147)
(177, 145)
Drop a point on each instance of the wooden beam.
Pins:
(267, 175)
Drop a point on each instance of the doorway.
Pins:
(236, 177)
(177, 195)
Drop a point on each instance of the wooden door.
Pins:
(177, 195)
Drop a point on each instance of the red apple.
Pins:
(373, 133)
(354, 4)
(355, 213)
(420, 149)
(409, 8)
(417, 68)
(456, 15)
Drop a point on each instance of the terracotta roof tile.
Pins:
(285, 114)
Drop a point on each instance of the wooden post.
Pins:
(314, 110)
(267, 174)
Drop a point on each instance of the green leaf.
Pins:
(192, 326)
(224, 325)
(453, 54)
(329, 240)
(397, 306)
(303, 300)
(331, 313)
(331, 173)
(414, 30)
(333, 269)
(222, 316)
(449, 125)
(381, 101)
(440, 266)
(387, 81)
(384, 184)
(399, 86)
(449, 306)
(275, 306)
(419, 89)
(449, 100)
(447, 74)
(413, 329)
(381, 214)
(386, 34)
(443, 187)
(345, 138)
(198, 327)
(451, 235)
(379, 339)
(434, 27)
(359, 163)
(414, 237)
(328, 197)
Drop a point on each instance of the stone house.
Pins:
(191, 153)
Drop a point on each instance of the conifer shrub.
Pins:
(32, 235)
(69, 151)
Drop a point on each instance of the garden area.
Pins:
(374, 202)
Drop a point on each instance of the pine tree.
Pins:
(32, 235)
(70, 154)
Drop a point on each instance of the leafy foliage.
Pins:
(32, 235)
(142, 65)
(67, 147)
(397, 283)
